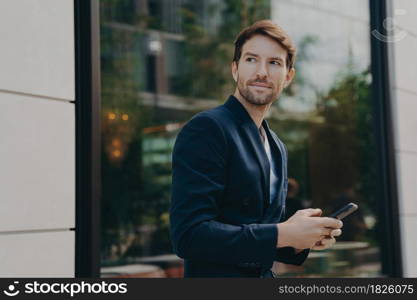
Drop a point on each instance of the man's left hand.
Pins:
(327, 241)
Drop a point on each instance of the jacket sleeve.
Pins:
(198, 182)
(287, 255)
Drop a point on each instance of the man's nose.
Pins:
(261, 71)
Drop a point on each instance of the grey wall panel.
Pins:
(405, 62)
(407, 168)
(405, 12)
(404, 106)
(37, 159)
(405, 120)
(37, 254)
(37, 47)
(408, 232)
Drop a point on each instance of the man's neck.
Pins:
(257, 112)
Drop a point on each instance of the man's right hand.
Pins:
(303, 229)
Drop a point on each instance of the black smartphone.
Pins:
(344, 211)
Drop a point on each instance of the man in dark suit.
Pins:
(230, 180)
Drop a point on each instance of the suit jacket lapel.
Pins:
(258, 149)
(252, 134)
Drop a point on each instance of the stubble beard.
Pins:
(257, 100)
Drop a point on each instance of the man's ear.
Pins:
(289, 77)
(234, 70)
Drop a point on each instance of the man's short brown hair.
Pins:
(271, 30)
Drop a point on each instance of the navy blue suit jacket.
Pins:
(220, 215)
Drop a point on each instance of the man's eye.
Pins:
(276, 62)
(250, 59)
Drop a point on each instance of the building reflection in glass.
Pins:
(163, 61)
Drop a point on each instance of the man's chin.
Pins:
(259, 101)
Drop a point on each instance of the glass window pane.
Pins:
(164, 61)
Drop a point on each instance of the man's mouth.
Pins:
(260, 85)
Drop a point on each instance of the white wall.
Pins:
(404, 106)
(37, 131)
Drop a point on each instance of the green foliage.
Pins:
(208, 55)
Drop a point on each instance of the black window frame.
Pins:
(88, 138)
(381, 68)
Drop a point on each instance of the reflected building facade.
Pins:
(163, 61)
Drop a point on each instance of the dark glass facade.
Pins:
(163, 61)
